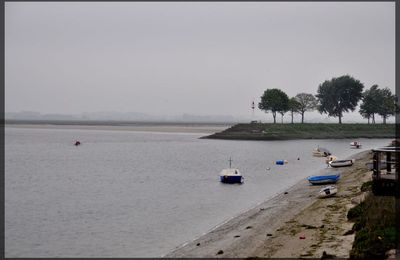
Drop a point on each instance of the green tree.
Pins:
(294, 106)
(282, 112)
(339, 95)
(365, 114)
(387, 104)
(307, 103)
(274, 100)
(370, 103)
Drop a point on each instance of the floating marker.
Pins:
(281, 162)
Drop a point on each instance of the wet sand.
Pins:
(273, 228)
(165, 128)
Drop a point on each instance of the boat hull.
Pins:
(231, 179)
(327, 192)
(342, 163)
(320, 154)
(324, 179)
(355, 145)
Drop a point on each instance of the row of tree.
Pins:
(378, 101)
(334, 97)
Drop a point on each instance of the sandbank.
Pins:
(164, 128)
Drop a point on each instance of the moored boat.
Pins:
(355, 145)
(321, 152)
(324, 179)
(231, 175)
(341, 163)
(327, 191)
(330, 158)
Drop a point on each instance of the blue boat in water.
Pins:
(231, 175)
(324, 179)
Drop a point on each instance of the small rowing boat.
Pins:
(355, 145)
(327, 191)
(341, 163)
(330, 158)
(324, 179)
(321, 152)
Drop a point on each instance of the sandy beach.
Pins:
(139, 127)
(293, 224)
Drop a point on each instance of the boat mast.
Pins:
(230, 162)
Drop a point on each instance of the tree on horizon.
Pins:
(339, 95)
(369, 105)
(294, 106)
(307, 103)
(378, 101)
(274, 100)
(387, 104)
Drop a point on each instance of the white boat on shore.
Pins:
(355, 145)
(320, 152)
(330, 158)
(327, 191)
(341, 163)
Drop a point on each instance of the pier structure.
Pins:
(386, 170)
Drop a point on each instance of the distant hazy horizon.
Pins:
(310, 117)
(203, 59)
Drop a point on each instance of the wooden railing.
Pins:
(386, 170)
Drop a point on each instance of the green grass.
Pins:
(367, 186)
(375, 226)
(306, 131)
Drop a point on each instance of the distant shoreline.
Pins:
(173, 127)
(225, 131)
(111, 122)
(269, 132)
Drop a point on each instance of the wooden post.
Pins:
(388, 162)
(376, 163)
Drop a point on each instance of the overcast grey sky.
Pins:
(196, 58)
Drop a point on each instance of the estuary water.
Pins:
(138, 194)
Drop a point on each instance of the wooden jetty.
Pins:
(385, 180)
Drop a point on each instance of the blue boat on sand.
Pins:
(324, 179)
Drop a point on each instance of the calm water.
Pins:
(132, 194)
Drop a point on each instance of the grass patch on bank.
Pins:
(258, 131)
(375, 226)
(367, 186)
